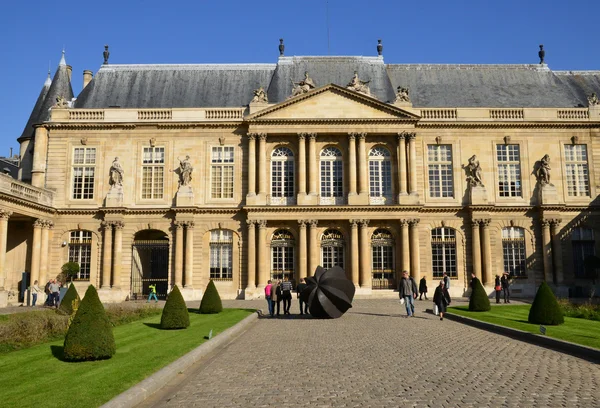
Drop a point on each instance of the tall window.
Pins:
(153, 170)
(282, 255)
(282, 176)
(332, 249)
(84, 167)
(443, 252)
(513, 247)
(221, 254)
(382, 244)
(80, 251)
(509, 170)
(440, 170)
(577, 170)
(331, 176)
(380, 175)
(221, 184)
(584, 245)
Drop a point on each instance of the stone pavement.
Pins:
(376, 357)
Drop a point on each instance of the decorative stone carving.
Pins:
(84, 141)
(260, 96)
(302, 87)
(474, 172)
(189, 225)
(106, 54)
(185, 171)
(575, 139)
(402, 95)
(313, 223)
(179, 224)
(506, 139)
(61, 103)
(302, 224)
(222, 141)
(359, 86)
(593, 99)
(5, 214)
(116, 174)
(152, 141)
(541, 53)
(438, 139)
(262, 224)
(119, 225)
(106, 225)
(251, 223)
(543, 171)
(379, 47)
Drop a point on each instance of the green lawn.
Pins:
(580, 331)
(37, 377)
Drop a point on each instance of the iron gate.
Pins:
(149, 266)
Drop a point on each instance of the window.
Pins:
(443, 252)
(80, 251)
(331, 176)
(282, 255)
(84, 167)
(222, 172)
(441, 183)
(513, 248)
(577, 170)
(153, 169)
(382, 244)
(332, 249)
(509, 170)
(583, 244)
(380, 175)
(282, 176)
(221, 254)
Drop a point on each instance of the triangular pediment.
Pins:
(332, 102)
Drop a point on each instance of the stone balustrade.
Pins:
(26, 191)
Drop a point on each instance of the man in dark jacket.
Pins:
(407, 290)
(301, 286)
(505, 283)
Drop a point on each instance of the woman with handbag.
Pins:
(498, 288)
(441, 298)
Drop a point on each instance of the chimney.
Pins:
(69, 71)
(87, 77)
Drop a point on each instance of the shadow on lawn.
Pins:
(153, 325)
(58, 352)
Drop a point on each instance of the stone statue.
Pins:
(260, 96)
(61, 102)
(302, 87)
(474, 172)
(543, 172)
(359, 86)
(116, 174)
(593, 99)
(281, 47)
(106, 54)
(185, 171)
(541, 53)
(402, 95)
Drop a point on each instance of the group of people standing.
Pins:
(52, 291)
(282, 291)
(408, 292)
(502, 284)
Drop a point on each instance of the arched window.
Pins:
(382, 244)
(332, 249)
(513, 247)
(380, 176)
(282, 255)
(221, 254)
(443, 252)
(282, 176)
(583, 243)
(80, 251)
(332, 187)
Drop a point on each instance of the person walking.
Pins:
(286, 295)
(441, 298)
(446, 281)
(498, 288)
(301, 286)
(407, 290)
(152, 293)
(422, 288)
(34, 290)
(505, 283)
(268, 292)
(276, 294)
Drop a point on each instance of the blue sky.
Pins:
(33, 33)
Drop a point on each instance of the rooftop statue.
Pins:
(593, 99)
(402, 95)
(474, 172)
(359, 86)
(541, 53)
(116, 174)
(61, 103)
(302, 87)
(543, 172)
(260, 96)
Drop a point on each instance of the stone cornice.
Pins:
(507, 125)
(25, 203)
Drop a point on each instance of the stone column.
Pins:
(354, 253)
(44, 252)
(487, 252)
(263, 268)
(557, 251)
(366, 280)
(301, 164)
(189, 254)
(38, 172)
(106, 254)
(313, 246)
(476, 248)
(415, 260)
(178, 253)
(312, 163)
(547, 251)
(405, 240)
(262, 163)
(251, 247)
(251, 164)
(4, 216)
(117, 254)
(35, 250)
(352, 163)
(402, 163)
(363, 187)
(302, 260)
(412, 160)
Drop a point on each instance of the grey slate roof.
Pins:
(61, 86)
(232, 85)
(35, 113)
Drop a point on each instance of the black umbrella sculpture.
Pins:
(329, 293)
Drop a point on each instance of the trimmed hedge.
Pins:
(66, 303)
(478, 302)
(545, 308)
(90, 335)
(211, 301)
(175, 314)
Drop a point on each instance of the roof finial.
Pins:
(541, 53)
(106, 54)
(48, 79)
(62, 62)
(281, 47)
(379, 47)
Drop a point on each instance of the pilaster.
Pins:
(415, 260)
(189, 255)
(476, 248)
(117, 254)
(302, 260)
(263, 269)
(354, 253)
(106, 254)
(487, 252)
(366, 280)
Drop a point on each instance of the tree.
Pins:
(90, 335)
(69, 270)
(66, 303)
(478, 302)
(211, 301)
(175, 314)
(545, 308)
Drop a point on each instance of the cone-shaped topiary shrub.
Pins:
(478, 302)
(90, 335)
(545, 308)
(211, 301)
(175, 314)
(66, 303)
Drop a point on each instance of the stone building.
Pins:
(176, 174)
